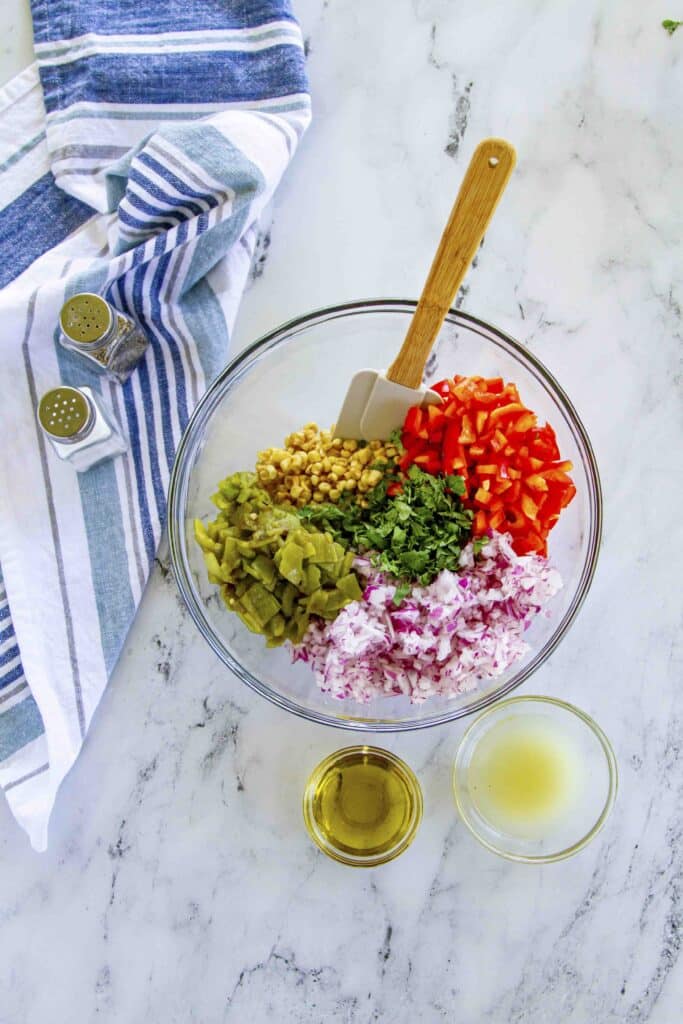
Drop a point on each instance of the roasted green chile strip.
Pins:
(273, 570)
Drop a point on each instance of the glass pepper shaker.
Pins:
(78, 427)
(108, 338)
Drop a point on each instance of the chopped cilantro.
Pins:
(670, 25)
(395, 438)
(479, 543)
(414, 535)
(456, 484)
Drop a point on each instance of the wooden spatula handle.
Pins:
(482, 187)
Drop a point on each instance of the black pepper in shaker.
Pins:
(106, 337)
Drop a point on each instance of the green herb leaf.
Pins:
(456, 484)
(413, 536)
(398, 536)
(401, 592)
(670, 25)
(395, 439)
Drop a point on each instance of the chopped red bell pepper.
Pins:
(413, 421)
(435, 419)
(429, 461)
(514, 479)
(480, 524)
(504, 411)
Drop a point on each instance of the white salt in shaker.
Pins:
(109, 339)
(78, 427)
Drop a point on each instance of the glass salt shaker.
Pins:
(106, 337)
(78, 427)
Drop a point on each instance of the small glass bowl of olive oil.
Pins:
(362, 806)
(534, 779)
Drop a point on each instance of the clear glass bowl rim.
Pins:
(341, 856)
(180, 480)
(610, 759)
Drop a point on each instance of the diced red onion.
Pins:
(442, 639)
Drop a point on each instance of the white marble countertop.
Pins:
(180, 885)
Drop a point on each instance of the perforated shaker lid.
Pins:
(64, 413)
(85, 318)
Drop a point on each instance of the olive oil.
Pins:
(362, 806)
(524, 775)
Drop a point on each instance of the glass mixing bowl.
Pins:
(299, 373)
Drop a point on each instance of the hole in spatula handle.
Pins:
(493, 161)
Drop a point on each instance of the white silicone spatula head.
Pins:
(377, 401)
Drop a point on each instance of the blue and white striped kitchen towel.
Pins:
(136, 157)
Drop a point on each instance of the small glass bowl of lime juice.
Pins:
(534, 779)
